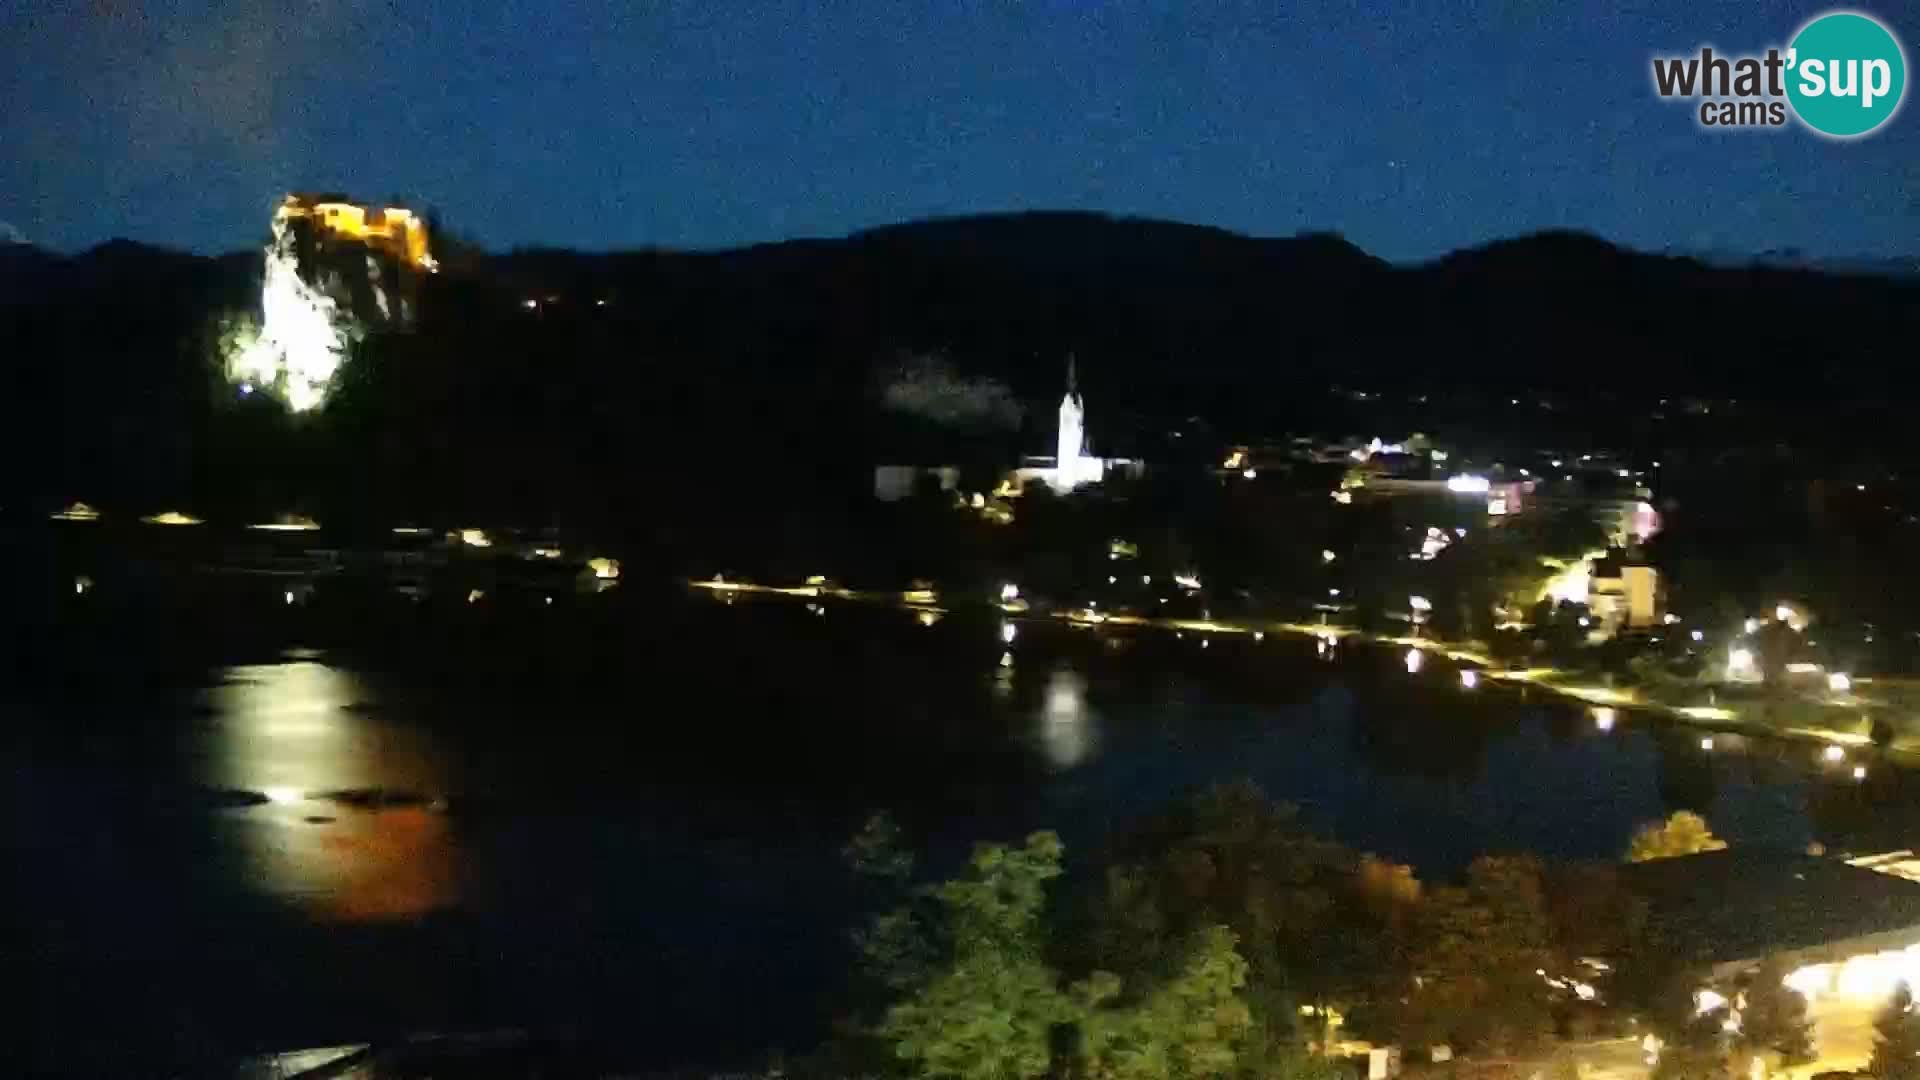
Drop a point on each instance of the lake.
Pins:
(623, 826)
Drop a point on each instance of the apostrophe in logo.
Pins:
(1846, 74)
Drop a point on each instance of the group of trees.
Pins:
(1224, 938)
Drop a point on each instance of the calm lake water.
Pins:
(630, 833)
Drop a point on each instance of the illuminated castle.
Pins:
(394, 230)
(332, 268)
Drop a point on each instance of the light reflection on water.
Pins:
(1069, 730)
(348, 829)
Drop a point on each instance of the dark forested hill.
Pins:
(702, 365)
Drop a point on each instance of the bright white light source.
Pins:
(1740, 664)
(1603, 718)
(282, 795)
(475, 538)
(289, 596)
(1439, 455)
(1419, 603)
(1496, 507)
(1333, 592)
(1009, 592)
(1111, 580)
(1467, 483)
(1706, 743)
(1783, 613)
(1698, 635)
(1187, 581)
(1469, 679)
(1839, 682)
(1344, 498)
(1752, 625)
(1859, 772)
(301, 339)
(1414, 659)
(1583, 620)
(1834, 753)
(1624, 474)
(1249, 473)
(1327, 556)
(1008, 632)
(1259, 635)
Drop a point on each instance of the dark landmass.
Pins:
(649, 379)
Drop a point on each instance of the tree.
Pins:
(1685, 833)
(1476, 968)
(1896, 1039)
(1194, 1025)
(1774, 1018)
(1228, 857)
(990, 1012)
(1696, 1050)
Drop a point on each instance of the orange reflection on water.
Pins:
(347, 830)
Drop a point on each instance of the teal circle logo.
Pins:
(1845, 74)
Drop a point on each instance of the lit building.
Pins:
(1625, 595)
(891, 483)
(394, 230)
(1847, 931)
(330, 265)
(1072, 466)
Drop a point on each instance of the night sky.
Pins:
(1413, 128)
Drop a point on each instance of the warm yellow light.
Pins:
(474, 596)
(927, 618)
(170, 517)
(1603, 717)
(475, 538)
(603, 568)
(288, 523)
(77, 511)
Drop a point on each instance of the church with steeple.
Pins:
(1072, 467)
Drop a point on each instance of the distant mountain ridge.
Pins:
(538, 361)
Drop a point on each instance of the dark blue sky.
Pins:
(1413, 127)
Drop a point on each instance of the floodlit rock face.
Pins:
(331, 268)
